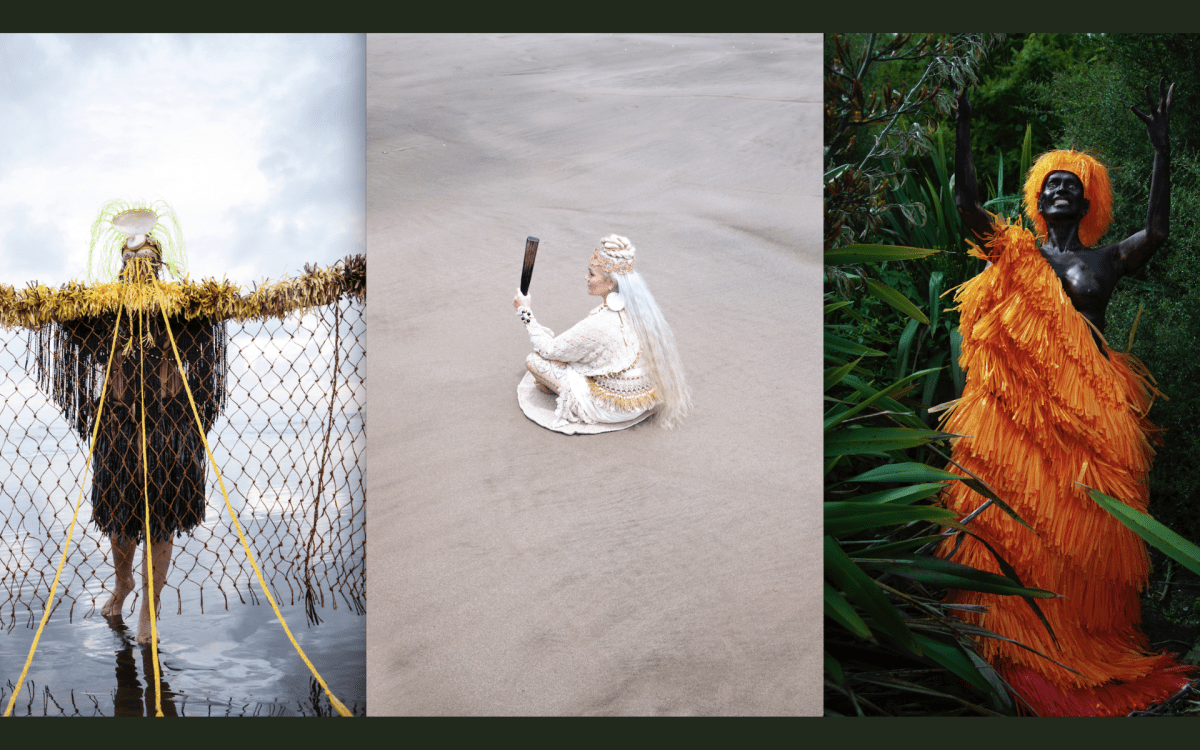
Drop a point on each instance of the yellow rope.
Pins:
(149, 553)
(337, 704)
(71, 530)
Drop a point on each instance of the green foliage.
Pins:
(1091, 99)
(891, 644)
(886, 591)
(890, 641)
(871, 125)
(1157, 535)
(929, 194)
(1002, 108)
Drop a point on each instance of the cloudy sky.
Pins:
(257, 142)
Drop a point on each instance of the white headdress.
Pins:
(123, 222)
(614, 254)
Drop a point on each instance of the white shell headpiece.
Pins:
(121, 220)
(614, 254)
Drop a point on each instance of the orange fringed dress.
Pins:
(1043, 409)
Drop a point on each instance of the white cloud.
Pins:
(256, 141)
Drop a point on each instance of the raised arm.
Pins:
(591, 344)
(1135, 251)
(966, 191)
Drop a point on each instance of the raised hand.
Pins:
(966, 191)
(1157, 120)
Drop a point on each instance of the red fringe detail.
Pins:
(1043, 409)
(1106, 700)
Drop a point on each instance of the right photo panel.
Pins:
(1010, 405)
(594, 287)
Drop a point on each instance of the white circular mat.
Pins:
(539, 407)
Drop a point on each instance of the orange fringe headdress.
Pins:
(1096, 189)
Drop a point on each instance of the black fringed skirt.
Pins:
(148, 445)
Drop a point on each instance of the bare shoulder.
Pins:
(1111, 250)
(1131, 253)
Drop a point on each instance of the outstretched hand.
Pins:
(1157, 120)
(521, 300)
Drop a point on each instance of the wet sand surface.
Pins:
(514, 570)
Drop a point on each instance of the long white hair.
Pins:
(658, 347)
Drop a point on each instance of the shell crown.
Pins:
(615, 254)
(120, 222)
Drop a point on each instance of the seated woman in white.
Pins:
(617, 363)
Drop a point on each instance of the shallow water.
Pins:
(235, 663)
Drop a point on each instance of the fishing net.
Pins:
(279, 378)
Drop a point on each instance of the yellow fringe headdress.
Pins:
(1096, 189)
(111, 230)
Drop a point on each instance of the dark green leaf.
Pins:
(950, 656)
(1026, 149)
(843, 346)
(898, 495)
(1011, 574)
(873, 254)
(935, 301)
(895, 548)
(834, 669)
(842, 519)
(862, 440)
(901, 413)
(951, 575)
(902, 349)
(861, 590)
(987, 492)
(913, 687)
(931, 380)
(937, 206)
(876, 396)
(1160, 537)
(902, 304)
(840, 611)
(904, 472)
(960, 377)
(834, 375)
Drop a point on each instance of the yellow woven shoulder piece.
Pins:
(37, 305)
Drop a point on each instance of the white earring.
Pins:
(615, 302)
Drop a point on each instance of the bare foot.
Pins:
(544, 388)
(161, 552)
(115, 604)
(122, 551)
(143, 634)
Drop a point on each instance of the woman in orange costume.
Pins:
(1049, 407)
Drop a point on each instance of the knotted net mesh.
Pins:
(288, 434)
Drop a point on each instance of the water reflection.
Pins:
(235, 663)
(132, 696)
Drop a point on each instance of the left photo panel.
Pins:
(182, 375)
